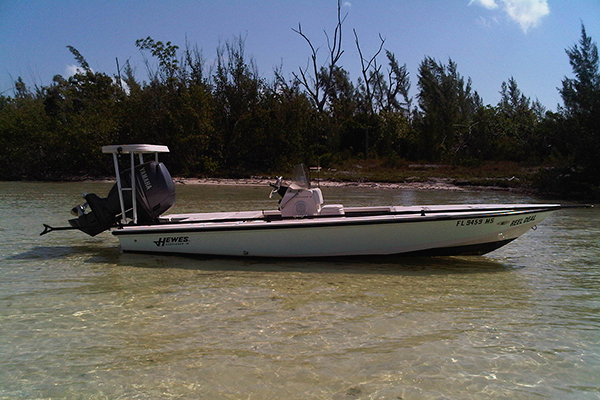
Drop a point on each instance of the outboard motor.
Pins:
(155, 194)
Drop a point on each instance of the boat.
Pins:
(301, 226)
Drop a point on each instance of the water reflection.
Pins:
(363, 265)
(380, 265)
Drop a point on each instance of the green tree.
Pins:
(398, 85)
(516, 121)
(175, 108)
(237, 92)
(85, 116)
(575, 129)
(394, 105)
(83, 64)
(580, 94)
(342, 127)
(23, 136)
(446, 102)
(287, 126)
(166, 53)
(581, 97)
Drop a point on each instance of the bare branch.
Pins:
(370, 64)
(322, 80)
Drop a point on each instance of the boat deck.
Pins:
(352, 212)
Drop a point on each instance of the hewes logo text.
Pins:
(172, 241)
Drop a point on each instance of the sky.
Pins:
(489, 40)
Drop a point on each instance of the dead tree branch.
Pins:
(366, 68)
(319, 84)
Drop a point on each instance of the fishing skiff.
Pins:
(301, 226)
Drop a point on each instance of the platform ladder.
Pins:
(132, 150)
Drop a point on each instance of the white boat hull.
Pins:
(427, 230)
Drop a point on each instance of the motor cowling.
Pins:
(155, 194)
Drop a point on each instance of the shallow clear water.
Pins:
(79, 319)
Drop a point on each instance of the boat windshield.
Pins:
(299, 180)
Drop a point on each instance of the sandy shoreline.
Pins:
(431, 184)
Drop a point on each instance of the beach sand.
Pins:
(431, 184)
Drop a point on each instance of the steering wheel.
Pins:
(275, 186)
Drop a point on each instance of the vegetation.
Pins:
(227, 120)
